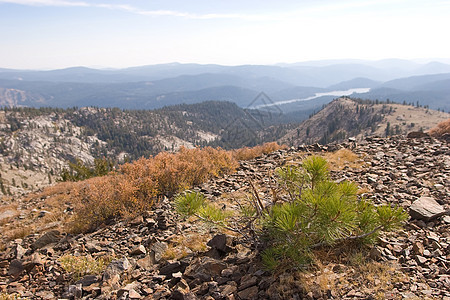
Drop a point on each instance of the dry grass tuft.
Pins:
(4, 296)
(343, 158)
(250, 153)
(336, 272)
(183, 245)
(441, 129)
(19, 233)
(79, 266)
(370, 278)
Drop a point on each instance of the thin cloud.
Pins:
(294, 14)
(47, 3)
(136, 10)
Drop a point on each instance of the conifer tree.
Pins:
(317, 213)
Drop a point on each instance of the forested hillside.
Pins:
(36, 144)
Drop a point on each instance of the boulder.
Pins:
(425, 208)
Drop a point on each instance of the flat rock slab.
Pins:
(425, 208)
(48, 238)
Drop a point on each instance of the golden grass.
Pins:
(137, 186)
(343, 158)
(182, 245)
(53, 199)
(4, 296)
(79, 266)
(367, 277)
(247, 153)
(57, 193)
(129, 191)
(19, 233)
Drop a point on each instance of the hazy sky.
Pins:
(120, 33)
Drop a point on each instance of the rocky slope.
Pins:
(35, 149)
(36, 144)
(346, 117)
(160, 256)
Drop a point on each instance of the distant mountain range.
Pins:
(156, 86)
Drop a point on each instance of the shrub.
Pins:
(441, 129)
(79, 266)
(318, 213)
(194, 203)
(137, 186)
(100, 200)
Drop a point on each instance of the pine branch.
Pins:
(261, 206)
(350, 237)
(221, 224)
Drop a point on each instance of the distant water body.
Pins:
(317, 95)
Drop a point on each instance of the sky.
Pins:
(51, 34)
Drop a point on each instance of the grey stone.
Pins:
(18, 251)
(145, 263)
(157, 250)
(92, 248)
(204, 268)
(76, 291)
(48, 238)
(172, 267)
(250, 293)
(116, 267)
(425, 208)
(88, 280)
(139, 250)
(219, 242)
(421, 260)
(15, 268)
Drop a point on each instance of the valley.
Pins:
(89, 201)
(156, 86)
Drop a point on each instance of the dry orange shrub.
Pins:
(441, 129)
(247, 153)
(137, 186)
(99, 200)
(172, 172)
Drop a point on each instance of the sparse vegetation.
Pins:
(183, 245)
(343, 158)
(137, 186)
(316, 213)
(4, 296)
(79, 266)
(247, 153)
